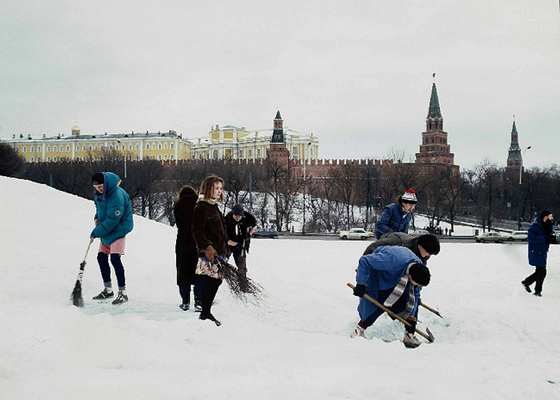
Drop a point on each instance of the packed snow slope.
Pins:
(496, 341)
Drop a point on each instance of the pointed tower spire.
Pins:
(278, 153)
(514, 153)
(434, 110)
(434, 148)
(278, 133)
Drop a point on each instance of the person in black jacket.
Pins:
(423, 246)
(185, 249)
(240, 226)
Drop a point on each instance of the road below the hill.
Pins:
(333, 236)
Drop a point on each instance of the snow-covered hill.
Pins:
(495, 342)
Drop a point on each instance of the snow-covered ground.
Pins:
(496, 341)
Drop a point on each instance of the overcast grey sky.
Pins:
(357, 74)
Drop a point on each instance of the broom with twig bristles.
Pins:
(242, 288)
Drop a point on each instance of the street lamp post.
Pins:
(304, 184)
(124, 156)
(520, 182)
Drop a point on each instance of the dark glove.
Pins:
(360, 290)
(551, 238)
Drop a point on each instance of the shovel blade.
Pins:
(431, 337)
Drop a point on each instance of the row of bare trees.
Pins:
(343, 196)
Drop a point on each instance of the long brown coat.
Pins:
(209, 228)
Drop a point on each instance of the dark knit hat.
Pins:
(237, 209)
(98, 178)
(420, 274)
(430, 243)
(544, 213)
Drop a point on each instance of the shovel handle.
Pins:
(429, 338)
(436, 312)
(87, 251)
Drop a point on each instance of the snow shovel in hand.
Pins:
(436, 312)
(429, 337)
(77, 299)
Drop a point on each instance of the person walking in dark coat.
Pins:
(422, 246)
(396, 216)
(113, 221)
(209, 232)
(186, 255)
(539, 237)
(240, 226)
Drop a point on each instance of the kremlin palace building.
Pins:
(227, 142)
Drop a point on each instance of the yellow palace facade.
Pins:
(222, 143)
(135, 146)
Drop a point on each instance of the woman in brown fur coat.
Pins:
(209, 233)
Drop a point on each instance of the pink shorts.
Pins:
(117, 247)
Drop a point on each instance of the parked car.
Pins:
(490, 237)
(266, 233)
(517, 235)
(355, 233)
(419, 232)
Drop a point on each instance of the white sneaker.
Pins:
(358, 331)
(410, 340)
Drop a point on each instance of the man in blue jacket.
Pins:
(394, 276)
(396, 216)
(539, 237)
(113, 221)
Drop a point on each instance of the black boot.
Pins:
(210, 317)
(197, 304)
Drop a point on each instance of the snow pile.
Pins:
(495, 342)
